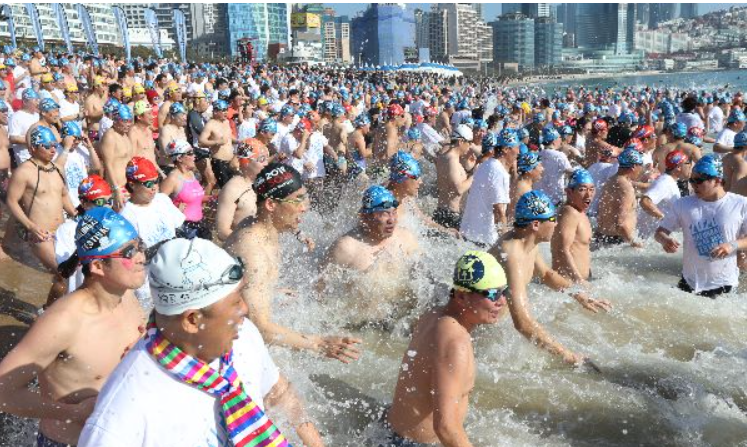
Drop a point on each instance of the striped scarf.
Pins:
(247, 424)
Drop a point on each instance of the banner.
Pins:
(119, 15)
(7, 12)
(85, 20)
(59, 10)
(34, 17)
(151, 21)
(181, 33)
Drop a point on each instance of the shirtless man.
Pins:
(598, 143)
(35, 65)
(174, 129)
(452, 179)
(387, 138)
(358, 151)
(216, 136)
(617, 204)
(431, 398)
(735, 165)
(237, 202)
(74, 346)
(49, 117)
(443, 124)
(4, 160)
(336, 169)
(677, 133)
(37, 195)
(571, 241)
(377, 238)
(116, 152)
(94, 107)
(529, 171)
(518, 253)
(281, 201)
(172, 94)
(141, 133)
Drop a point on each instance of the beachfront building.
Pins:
(383, 34)
(513, 40)
(531, 10)
(266, 24)
(548, 42)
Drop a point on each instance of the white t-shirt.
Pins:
(64, 247)
(552, 182)
(600, 172)
(143, 405)
(315, 155)
(248, 129)
(105, 124)
(288, 145)
(690, 120)
(489, 187)
(70, 109)
(458, 117)
(76, 169)
(704, 226)
(18, 126)
(431, 139)
(23, 83)
(716, 120)
(726, 137)
(662, 192)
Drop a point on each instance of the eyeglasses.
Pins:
(700, 180)
(150, 183)
(102, 201)
(298, 200)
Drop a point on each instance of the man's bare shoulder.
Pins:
(344, 249)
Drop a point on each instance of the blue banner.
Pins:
(34, 17)
(85, 20)
(7, 11)
(181, 33)
(62, 22)
(121, 18)
(151, 21)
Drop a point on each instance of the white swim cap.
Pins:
(192, 274)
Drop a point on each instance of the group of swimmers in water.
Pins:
(156, 195)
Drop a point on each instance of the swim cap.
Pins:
(192, 274)
(46, 78)
(57, 77)
(93, 187)
(626, 118)
(549, 135)
(539, 117)
(565, 130)
(48, 104)
(177, 108)
(261, 101)
(463, 105)
(127, 92)
(276, 181)
(679, 130)
(71, 129)
(138, 89)
(123, 113)
(395, 110)
(599, 126)
(462, 131)
(521, 133)
(140, 169)
(178, 147)
(101, 232)
(413, 134)
(740, 140)
(268, 126)
(489, 141)
(71, 88)
(634, 143)
(43, 136)
(709, 166)
(403, 166)
(362, 120)
(377, 198)
(736, 115)
(629, 158)
(674, 159)
(478, 271)
(469, 121)
(527, 161)
(3, 106)
(643, 132)
(141, 107)
(580, 177)
(533, 205)
(220, 105)
(251, 148)
(110, 106)
(508, 138)
(287, 110)
(29, 94)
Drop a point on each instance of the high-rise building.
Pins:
(469, 37)
(642, 13)
(134, 14)
(688, 10)
(605, 26)
(422, 28)
(383, 34)
(513, 40)
(306, 33)
(438, 35)
(531, 10)
(342, 38)
(165, 16)
(548, 42)
(567, 17)
(264, 24)
(662, 12)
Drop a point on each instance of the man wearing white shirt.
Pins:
(716, 117)
(689, 115)
(556, 166)
(20, 123)
(658, 199)
(725, 139)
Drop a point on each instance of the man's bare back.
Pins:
(617, 206)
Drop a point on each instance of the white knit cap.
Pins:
(191, 274)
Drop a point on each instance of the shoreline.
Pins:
(581, 77)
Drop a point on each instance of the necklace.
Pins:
(51, 168)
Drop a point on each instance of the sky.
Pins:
(490, 10)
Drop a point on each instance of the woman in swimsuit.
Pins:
(185, 190)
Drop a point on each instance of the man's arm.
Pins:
(650, 208)
(721, 148)
(226, 211)
(624, 222)
(462, 180)
(284, 397)
(450, 370)
(559, 283)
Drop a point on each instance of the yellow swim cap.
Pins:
(47, 78)
(127, 92)
(526, 107)
(141, 107)
(138, 89)
(478, 270)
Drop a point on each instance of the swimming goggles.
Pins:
(128, 252)
(150, 183)
(491, 294)
(103, 202)
(700, 180)
(298, 200)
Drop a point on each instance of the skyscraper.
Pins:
(661, 12)
(513, 40)
(548, 39)
(468, 35)
(383, 34)
(531, 10)
(438, 35)
(688, 10)
(264, 23)
(605, 26)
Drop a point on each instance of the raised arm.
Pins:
(284, 397)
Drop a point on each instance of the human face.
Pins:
(220, 324)
(704, 187)
(143, 192)
(536, 173)
(187, 161)
(581, 196)
(180, 119)
(51, 116)
(127, 272)
(43, 153)
(105, 201)
(122, 126)
(412, 185)
(290, 209)
(3, 117)
(381, 224)
(545, 229)
(483, 309)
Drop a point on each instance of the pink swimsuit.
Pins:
(191, 196)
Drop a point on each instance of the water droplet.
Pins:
(625, 432)
(201, 326)
(411, 353)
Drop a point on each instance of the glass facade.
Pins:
(264, 23)
(513, 40)
(381, 34)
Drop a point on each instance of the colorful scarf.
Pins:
(247, 424)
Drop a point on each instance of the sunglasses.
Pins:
(700, 180)
(150, 183)
(102, 201)
(298, 200)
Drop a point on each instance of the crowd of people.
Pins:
(155, 195)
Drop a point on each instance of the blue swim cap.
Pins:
(362, 120)
(337, 110)
(709, 166)
(123, 113)
(71, 129)
(522, 133)
(3, 106)
(268, 126)
(626, 118)
(556, 115)
(220, 105)
(489, 142)
(736, 115)
(111, 105)
(177, 108)
(287, 110)
(580, 177)
(403, 166)
(527, 161)
(508, 138)
(549, 134)
(463, 105)
(629, 158)
(101, 232)
(43, 136)
(377, 198)
(414, 134)
(468, 120)
(29, 94)
(539, 117)
(534, 205)
(481, 124)
(694, 139)
(57, 77)
(48, 104)
(565, 130)
(679, 130)
(740, 140)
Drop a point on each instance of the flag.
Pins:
(85, 19)
(119, 15)
(34, 17)
(181, 33)
(151, 21)
(7, 11)
(62, 23)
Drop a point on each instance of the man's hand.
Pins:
(723, 250)
(669, 244)
(591, 304)
(340, 348)
(39, 235)
(636, 244)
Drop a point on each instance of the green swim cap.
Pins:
(478, 270)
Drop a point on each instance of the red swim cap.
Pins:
(94, 187)
(141, 169)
